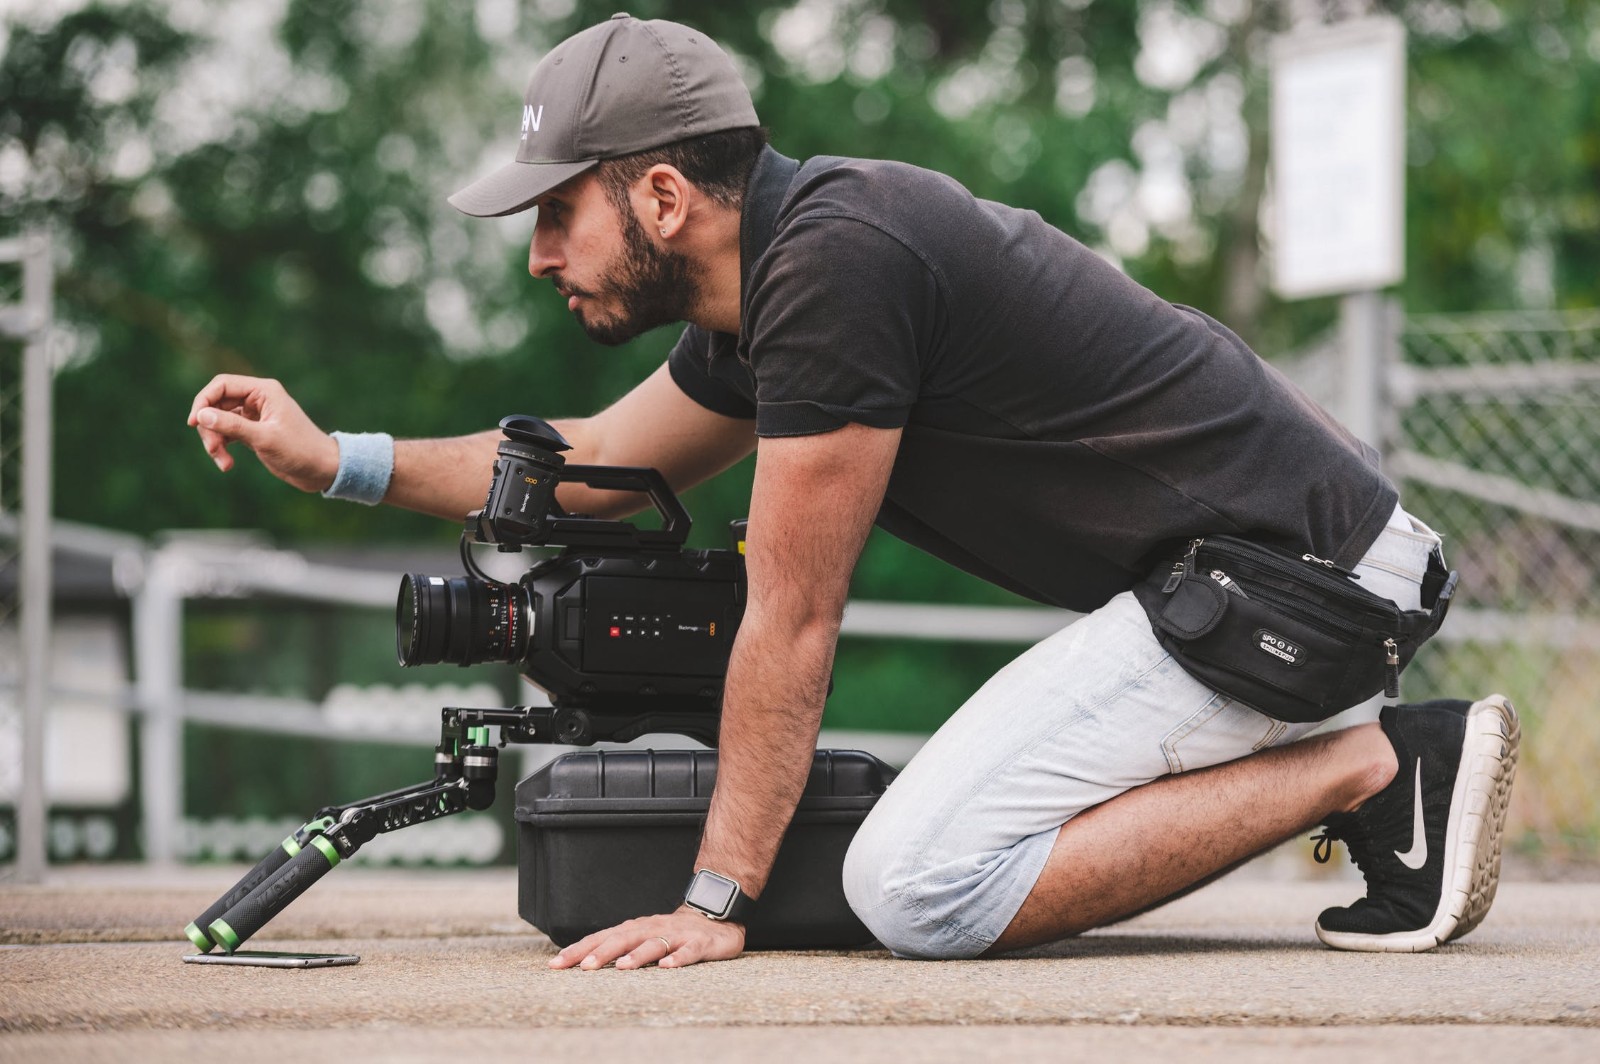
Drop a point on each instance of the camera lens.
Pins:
(459, 619)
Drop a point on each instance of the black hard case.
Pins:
(605, 836)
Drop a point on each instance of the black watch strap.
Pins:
(719, 898)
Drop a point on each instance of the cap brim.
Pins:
(514, 187)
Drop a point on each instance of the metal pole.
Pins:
(1363, 342)
(1368, 339)
(1392, 402)
(35, 561)
(158, 664)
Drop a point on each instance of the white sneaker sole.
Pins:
(1472, 837)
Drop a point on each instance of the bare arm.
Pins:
(814, 501)
(655, 424)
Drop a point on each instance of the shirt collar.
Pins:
(770, 179)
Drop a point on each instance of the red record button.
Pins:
(615, 631)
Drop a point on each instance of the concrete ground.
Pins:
(90, 969)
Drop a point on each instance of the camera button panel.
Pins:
(646, 626)
(667, 626)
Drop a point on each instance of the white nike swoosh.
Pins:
(1417, 856)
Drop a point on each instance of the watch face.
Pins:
(711, 893)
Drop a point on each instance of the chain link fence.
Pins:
(1494, 433)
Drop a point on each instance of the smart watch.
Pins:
(717, 897)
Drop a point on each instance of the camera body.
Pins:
(625, 629)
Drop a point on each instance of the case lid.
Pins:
(661, 781)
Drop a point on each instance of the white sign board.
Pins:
(1338, 158)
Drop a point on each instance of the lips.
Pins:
(570, 295)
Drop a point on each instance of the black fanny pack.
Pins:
(1293, 636)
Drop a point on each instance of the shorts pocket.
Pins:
(1219, 731)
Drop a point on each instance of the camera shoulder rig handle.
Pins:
(572, 530)
(505, 520)
(465, 769)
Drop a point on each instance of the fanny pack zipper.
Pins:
(1308, 568)
(1284, 566)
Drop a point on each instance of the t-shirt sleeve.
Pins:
(690, 371)
(839, 321)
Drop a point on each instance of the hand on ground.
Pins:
(669, 941)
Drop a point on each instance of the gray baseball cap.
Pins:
(613, 89)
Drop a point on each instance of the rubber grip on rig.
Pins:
(276, 859)
(271, 897)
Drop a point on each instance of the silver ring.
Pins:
(663, 940)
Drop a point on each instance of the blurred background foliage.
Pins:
(257, 186)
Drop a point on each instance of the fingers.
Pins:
(212, 441)
(650, 951)
(620, 942)
(225, 426)
(688, 953)
(226, 389)
(579, 950)
(226, 394)
(666, 941)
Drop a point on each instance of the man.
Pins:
(982, 385)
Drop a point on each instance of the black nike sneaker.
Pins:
(1429, 843)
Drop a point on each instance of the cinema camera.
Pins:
(627, 631)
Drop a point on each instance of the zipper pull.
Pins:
(1229, 584)
(1326, 564)
(1391, 680)
(1181, 568)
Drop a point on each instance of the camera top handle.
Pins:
(521, 509)
(570, 530)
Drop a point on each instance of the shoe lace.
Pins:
(1333, 831)
(1346, 828)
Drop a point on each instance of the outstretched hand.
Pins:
(260, 414)
(669, 941)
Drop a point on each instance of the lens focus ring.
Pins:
(460, 619)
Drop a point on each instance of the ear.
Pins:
(666, 196)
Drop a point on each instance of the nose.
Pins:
(544, 250)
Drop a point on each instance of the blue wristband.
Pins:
(366, 462)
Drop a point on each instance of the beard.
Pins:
(652, 286)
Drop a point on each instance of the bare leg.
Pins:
(1150, 843)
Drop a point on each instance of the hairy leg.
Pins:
(1151, 843)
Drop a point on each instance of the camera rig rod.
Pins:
(465, 770)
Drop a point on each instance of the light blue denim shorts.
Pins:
(954, 846)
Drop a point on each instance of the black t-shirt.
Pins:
(1063, 426)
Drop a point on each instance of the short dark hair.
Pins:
(718, 164)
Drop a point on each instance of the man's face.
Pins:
(617, 280)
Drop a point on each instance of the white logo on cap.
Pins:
(530, 119)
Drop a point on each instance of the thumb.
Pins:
(230, 426)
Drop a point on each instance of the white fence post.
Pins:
(158, 666)
(1366, 338)
(30, 321)
(38, 284)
